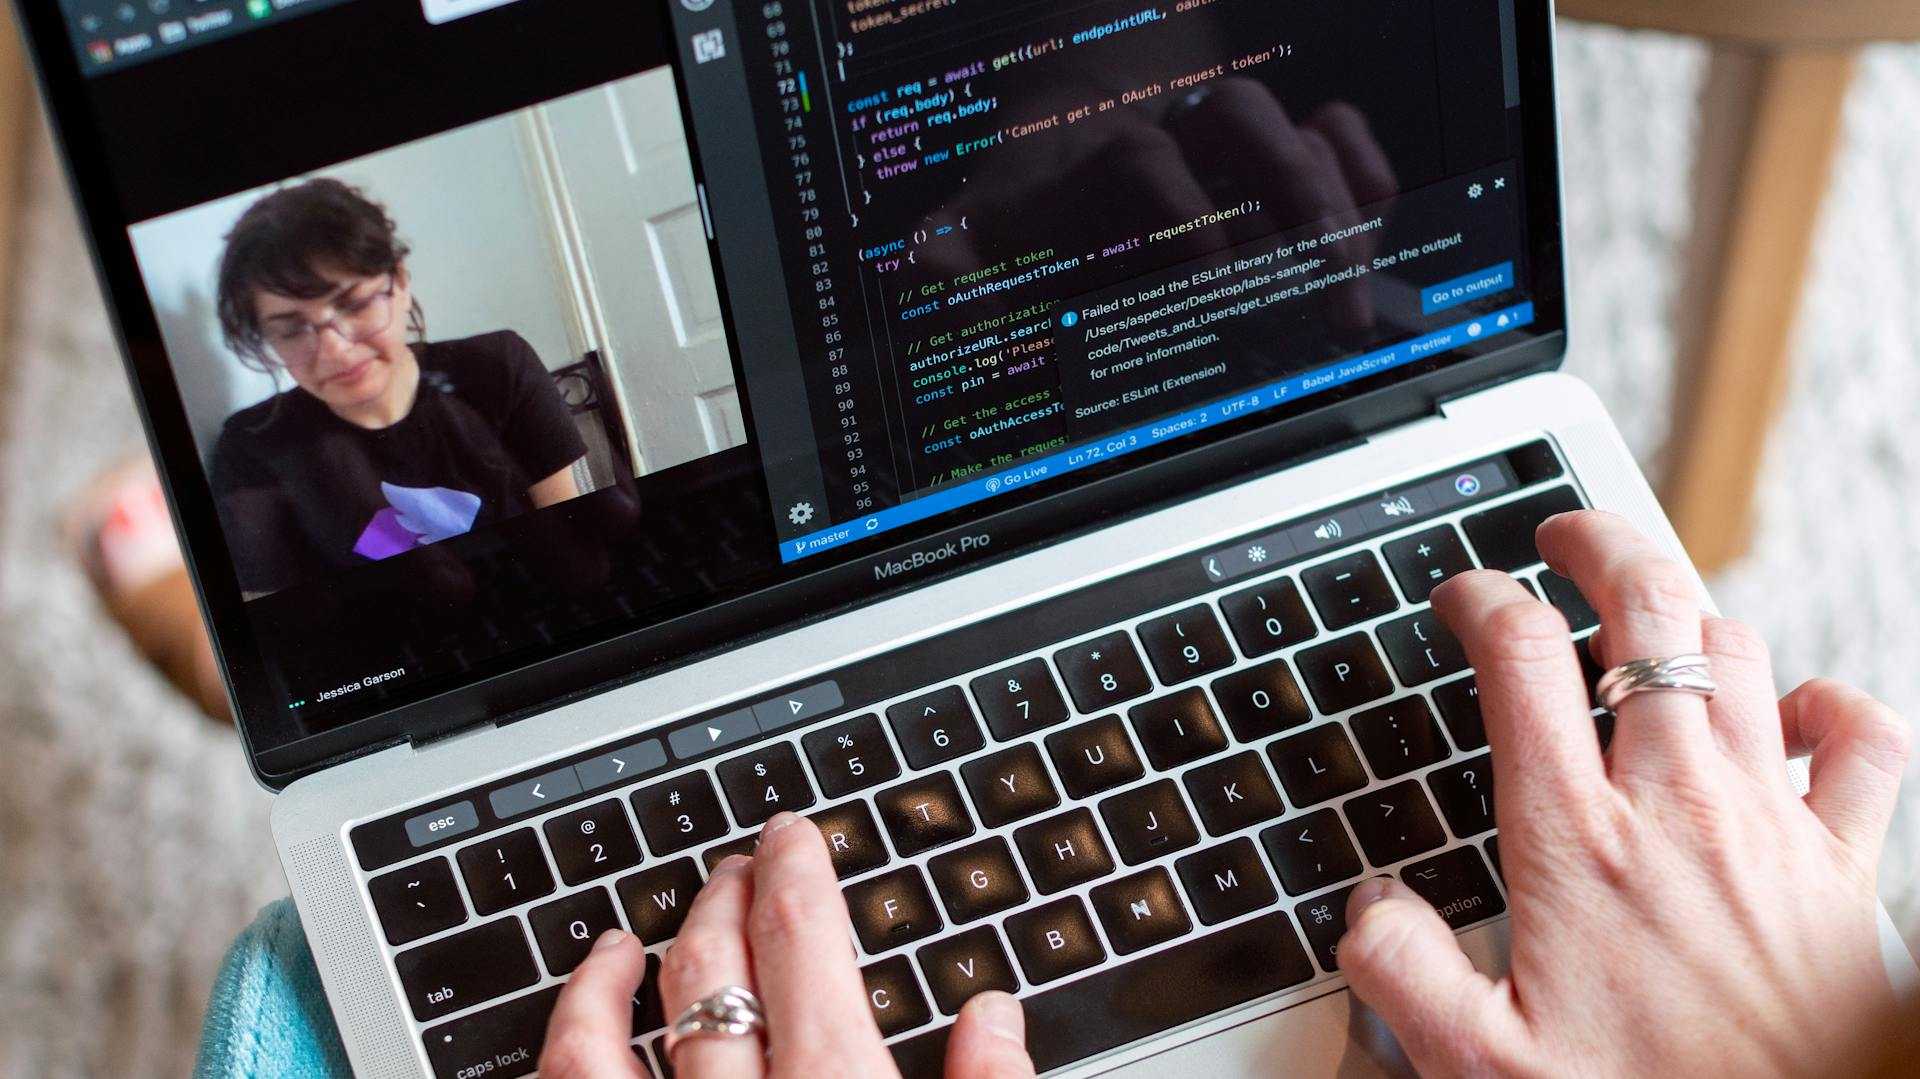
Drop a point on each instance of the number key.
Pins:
(851, 756)
(1020, 700)
(1104, 672)
(592, 842)
(505, 871)
(1186, 644)
(1268, 618)
(936, 728)
(680, 813)
(764, 782)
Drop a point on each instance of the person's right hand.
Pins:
(1677, 908)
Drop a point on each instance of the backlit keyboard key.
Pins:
(853, 839)
(936, 728)
(1054, 940)
(1504, 536)
(592, 842)
(1140, 911)
(961, 967)
(504, 871)
(1324, 920)
(680, 813)
(892, 909)
(1185, 645)
(1148, 822)
(1311, 852)
(656, 898)
(1458, 885)
(894, 997)
(1343, 675)
(1349, 590)
(1233, 794)
(417, 901)
(1399, 737)
(1459, 704)
(1394, 823)
(465, 969)
(1564, 595)
(1178, 729)
(745, 846)
(1317, 764)
(924, 813)
(1422, 649)
(1020, 700)
(1104, 672)
(504, 1040)
(1262, 701)
(1010, 785)
(851, 756)
(1465, 794)
(1063, 851)
(978, 880)
(1094, 757)
(567, 927)
(1226, 881)
(1268, 618)
(1424, 561)
(763, 782)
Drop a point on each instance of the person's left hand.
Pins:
(776, 924)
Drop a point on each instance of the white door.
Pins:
(617, 165)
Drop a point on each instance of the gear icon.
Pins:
(801, 513)
(1476, 191)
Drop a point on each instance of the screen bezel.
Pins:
(1341, 419)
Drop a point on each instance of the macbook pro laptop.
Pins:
(1021, 435)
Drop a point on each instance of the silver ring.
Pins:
(1690, 673)
(731, 1011)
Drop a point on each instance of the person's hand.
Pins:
(775, 924)
(1677, 909)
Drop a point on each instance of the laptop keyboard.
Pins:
(1182, 799)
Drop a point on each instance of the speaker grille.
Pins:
(377, 1036)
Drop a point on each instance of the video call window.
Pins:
(427, 341)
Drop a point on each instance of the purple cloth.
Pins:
(414, 517)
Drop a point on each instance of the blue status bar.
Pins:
(1166, 429)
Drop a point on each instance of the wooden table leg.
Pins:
(1771, 125)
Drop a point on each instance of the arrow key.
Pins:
(1311, 852)
(621, 765)
(533, 794)
(713, 733)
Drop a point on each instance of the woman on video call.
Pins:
(386, 441)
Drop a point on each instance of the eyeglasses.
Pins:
(297, 344)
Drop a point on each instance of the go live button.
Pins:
(690, 742)
(799, 706)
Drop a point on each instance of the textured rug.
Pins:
(135, 843)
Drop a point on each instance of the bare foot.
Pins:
(122, 535)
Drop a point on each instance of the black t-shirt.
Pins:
(303, 493)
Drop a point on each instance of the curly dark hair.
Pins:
(281, 241)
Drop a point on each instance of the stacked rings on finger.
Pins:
(1690, 673)
(731, 1011)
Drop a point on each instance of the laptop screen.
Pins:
(478, 334)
